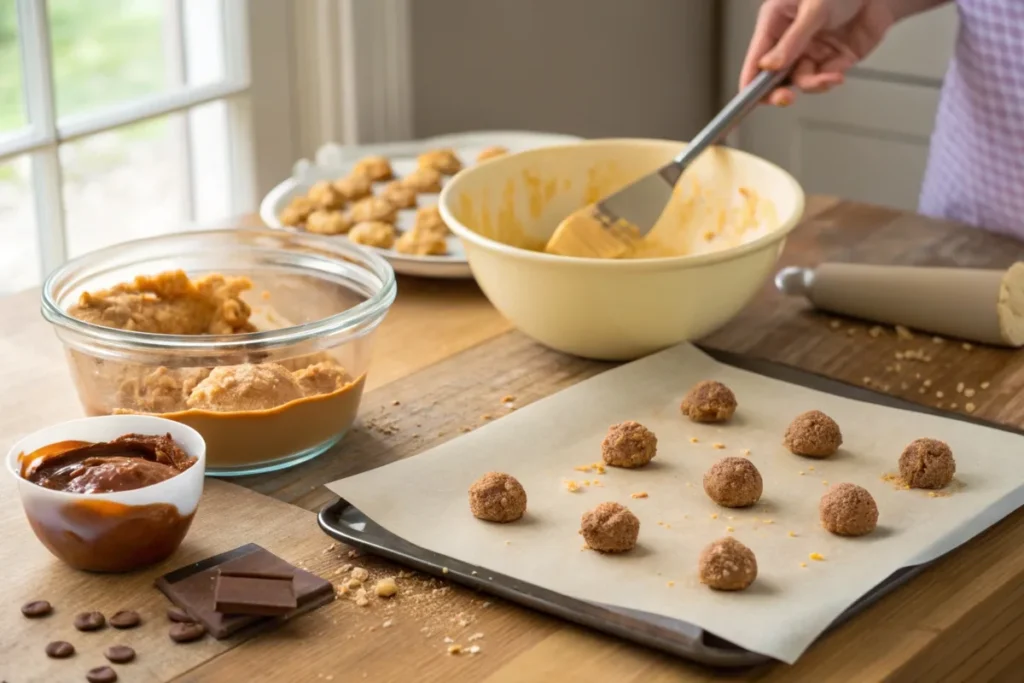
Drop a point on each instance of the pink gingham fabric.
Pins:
(976, 164)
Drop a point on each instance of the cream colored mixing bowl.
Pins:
(729, 217)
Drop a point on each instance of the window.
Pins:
(122, 119)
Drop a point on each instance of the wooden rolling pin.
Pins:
(985, 306)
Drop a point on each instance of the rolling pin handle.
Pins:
(795, 281)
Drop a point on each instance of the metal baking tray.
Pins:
(342, 521)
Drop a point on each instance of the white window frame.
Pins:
(255, 88)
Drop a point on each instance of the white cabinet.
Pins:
(867, 140)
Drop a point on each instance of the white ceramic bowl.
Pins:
(117, 531)
(505, 211)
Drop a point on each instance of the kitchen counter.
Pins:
(961, 619)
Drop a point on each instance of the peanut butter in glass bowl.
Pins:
(259, 340)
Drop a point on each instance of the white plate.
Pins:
(333, 161)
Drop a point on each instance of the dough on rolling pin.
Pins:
(1010, 308)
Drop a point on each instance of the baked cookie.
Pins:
(629, 444)
(709, 401)
(444, 161)
(491, 153)
(373, 234)
(373, 209)
(428, 220)
(297, 211)
(376, 168)
(399, 195)
(354, 187)
(813, 434)
(848, 510)
(610, 528)
(727, 565)
(326, 196)
(419, 243)
(497, 497)
(424, 180)
(733, 483)
(927, 464)
(324, 222)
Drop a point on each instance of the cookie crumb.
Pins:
(817, 557)
(966, 347)
(714, 515)
(985, 385)
(932, 494)
(969, 393)
(444, 570)
(638, 494)
(694, 439)
(455, 649)
(475, 636)
(867, 381)
(791, 534)
(959, 387)
(875, 331)
(939, 394)
(719, 446)
(571, 486)
(729, 528)
(903, 333)
(360, 574)
(970, 407)
(746, 452)
(768, 521)
(938, 340)
(804, 565)
(835, 324)
(508, 399)
(801, 473)
(386, 624)
(852, 331)
(386, 588)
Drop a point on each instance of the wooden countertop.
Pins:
(959, 620)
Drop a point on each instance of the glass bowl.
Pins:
(258, 398)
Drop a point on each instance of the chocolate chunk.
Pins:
(251, 595)
(119, 654)
(60, 649)
(101, 674)
(126, 618)
(192, 587)
(36, 609)
(186, 633)
(90, 621)
(179, 615)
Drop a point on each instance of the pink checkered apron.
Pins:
(976, 165)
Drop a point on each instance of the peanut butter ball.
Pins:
(610, 528)
(497, 497)
(733, 483)
(813, 434)
(727, 565)
(629, 444)
(927, 464)
(848, 510)
(709, 401)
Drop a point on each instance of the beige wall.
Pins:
(645, 68)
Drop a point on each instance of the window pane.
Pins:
(108, 51)
(210, 172)
(12, 107)
(203, 28)
(124, 184)
(19, 255)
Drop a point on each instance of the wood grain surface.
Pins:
(447, 359)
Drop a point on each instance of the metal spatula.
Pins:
(631, 212)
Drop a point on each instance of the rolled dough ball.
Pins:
(727, 565)
(610, 528)
(373, 234)
(354, 187)
(813, 434)
(328, 223)
(428, 220)
(497, 497)
(927, 464)
(848, 510)
(629, 444)
(421, 243)
(424, 180)
(399, 195)
(326, 196)
(709, 401)
(373, 209)
(733, 483)
(375, 168)
(441, 160)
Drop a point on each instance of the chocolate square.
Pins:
(192, 588)
(254, 595)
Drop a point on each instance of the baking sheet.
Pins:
(423, 499)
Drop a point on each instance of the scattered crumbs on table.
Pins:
(875, 331)
(953, 406)
(817, 557)
(508, 398)
(921, 390)
(729, 529)
(473, 649)
(904, 386)
(485, 417)
(455, 649)
(835, 324)
(386, 624)
(746, 452)
(927, 383)
(768, 521)
(938, 340)
(396, 402)
(571, 486)
(969, 393)
(730, 517)
(689, 485)
(718, 446)
(959, 387)
(671, 583)
(475, 636)
(824, 482)
(714, 515)
(852, 331)
(970, 407)
(898, 355)
(867, 380)
(638, 494)
(791, 534)
(508, 542)
(444, 570)
(801, 473)
(811, 468)
(932, 494)
(939, 394)
(804, 565)
(465, 430)
(985, 385)
(966, 346)
(694, 439)
(903, 333)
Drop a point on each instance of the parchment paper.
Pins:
(424, 499)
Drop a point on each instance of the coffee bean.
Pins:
(119, 654)
(179, 615)
(59, 649)
(90, 621)
(126, 618)
(187, 632)
(101, 674)
(36, 609)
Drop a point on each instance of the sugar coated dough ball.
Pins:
(375, 168)
(428, 219)
(709, 401)
(373, 234)
(813, 434)
(328, 223)
(491, 153)
(927, 464)
(441, 160)
(629, 444)
(326, 196)
(373, 209)
(610, 528)
(424, 180)
(354, 187)
(727, 565)
(400, 196)
(497, 497)
(848, 510)
(733, 483)
(421, 243)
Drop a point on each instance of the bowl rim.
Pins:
(373, 308)
(650, 264)
(114, 496)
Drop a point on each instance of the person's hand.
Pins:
(820, 39)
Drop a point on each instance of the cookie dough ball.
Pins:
(491, 153)
(375, 168)
(297, 211)
(428, 220)
(733, 483)
(813, 434)
(443, 161)
(610, 528)
(328, 223)
(727, 565)
(354, 187)
(927, 464)
(373, 234)
(245, 387)
(497, 497)
(373, 209)
(398, 195)
(848, 510)
(709, 401)
(326, 196)
(420, 243)
(423, 180)
(629, 444)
